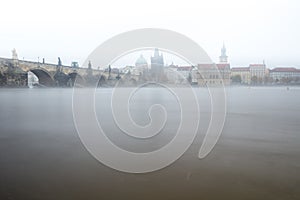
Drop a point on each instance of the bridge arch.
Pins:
(102, 80)
(76, 76)
(44, 77)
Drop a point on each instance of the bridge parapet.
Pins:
(54, 75)
(26, 65)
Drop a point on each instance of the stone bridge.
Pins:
(58, 75)
(50, 75)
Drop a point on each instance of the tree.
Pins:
(254, 79)
(190, 78)
(109, 70)
(236, 79)
(268, 80)
(118, 77)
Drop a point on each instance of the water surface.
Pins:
(257, 156)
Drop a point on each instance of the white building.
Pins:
(258, 70)
(177, 74)
(280, 73)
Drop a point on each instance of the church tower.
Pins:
(223, 58)
(157, 65)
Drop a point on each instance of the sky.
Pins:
(252, 30)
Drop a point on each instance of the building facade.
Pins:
(213, 74)
(254, 74)
(258, 71)
(287, 73)
(243, 72)
(177, 74)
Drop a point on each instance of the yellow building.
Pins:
(213, 74)
(243, 72)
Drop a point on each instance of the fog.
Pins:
(253, 31)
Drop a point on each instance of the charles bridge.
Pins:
(51, 75)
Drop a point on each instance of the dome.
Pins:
(141, 61)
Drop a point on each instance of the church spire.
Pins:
(223, 58)
(223, 50)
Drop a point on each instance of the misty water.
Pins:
(256, 157)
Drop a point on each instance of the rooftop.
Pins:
(240, 69)
(285, 69)
(212, 65)
(257, 65)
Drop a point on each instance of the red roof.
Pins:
(257, 65)
(173, 66)
(223, 66)
(285, 69)
(184, 68)
(212, 65)
(240, 69)
(209, 65)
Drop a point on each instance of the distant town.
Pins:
(21, 73)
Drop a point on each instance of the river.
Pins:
(256, 157)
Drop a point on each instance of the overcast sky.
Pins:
(253, 30)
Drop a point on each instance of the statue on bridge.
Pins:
(14, 54)
(59, 61)
(15, 58)
(90, 70)
(59, 66)
(109, 72)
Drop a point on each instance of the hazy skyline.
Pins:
(253, 31)
(131, 58)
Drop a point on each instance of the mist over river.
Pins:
(256, 157)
